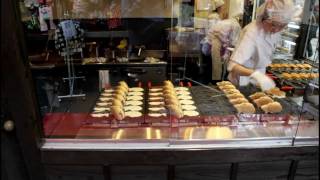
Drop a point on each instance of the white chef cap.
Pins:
(276, 10)
(217, 3)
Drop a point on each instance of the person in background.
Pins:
(257, 42)
(216, 14)
(223, 35)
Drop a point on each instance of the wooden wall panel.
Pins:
(307, 170)
(139, 172)
(263, 170)
(74, 172)
(203, 172)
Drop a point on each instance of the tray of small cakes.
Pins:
(293, 77)
(168, 105)
(120, 106)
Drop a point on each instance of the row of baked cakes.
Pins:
(169, 100)
(236, 98)
(120, 101)
(262, 100)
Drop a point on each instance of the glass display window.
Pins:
(146, 71)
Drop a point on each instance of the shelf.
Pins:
(106, 34)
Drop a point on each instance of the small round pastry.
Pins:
(263, 100)
(156, 103)
(155, 98)
(183, 93)
(117, 112)
(285, 65)
(101, 109)
(307, 66)
(235, 96)
(135, 93)
(277, 65)
(133, 114)
(225, 87)
(134, 98)
(257, 95)
(156, 109)
(292, 66)
(135, 89)
(106, 94)
(103, 104)
(300, 66)
(231, 91)
(223, 83)
(157, 114)
(276, 92)
(188, 107)
(304, 75)
(156, 94)
(184, 97)
(175, 111)
(186, 102)
(133, 103)
(238, 101)
(245, 108)
(105, 99)
(99, 115)
(109, 90)
(295, 76)
(132, 108)
(155, 89)
(274, 107)
(191, 113)
(286, 76)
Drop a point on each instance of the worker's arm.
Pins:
(241, 70)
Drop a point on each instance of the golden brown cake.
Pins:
(263, 100)
(257, 95)
(238, 101)
(245, 108)
(234, 96)
(276, 92)
(273, 107)
(231, 91)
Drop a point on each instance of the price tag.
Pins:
(68, 29)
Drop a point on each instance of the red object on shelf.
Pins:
(189, 84)
(181, 84)
(149, 84)
(139, 84)
(286, 88)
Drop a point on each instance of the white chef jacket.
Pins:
(254, 50)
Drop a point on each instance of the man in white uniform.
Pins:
(257, 42)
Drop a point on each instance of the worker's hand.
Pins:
(263, 80)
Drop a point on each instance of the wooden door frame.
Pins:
(17, 91)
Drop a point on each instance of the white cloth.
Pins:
(254, 50)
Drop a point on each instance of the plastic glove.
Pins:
(265, 82)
